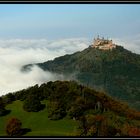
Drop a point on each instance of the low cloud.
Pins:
(130, 43)
(15, 53)
(18, 52)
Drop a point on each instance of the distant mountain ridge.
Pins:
(115, 71)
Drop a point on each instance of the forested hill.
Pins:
(96, 113)
(116, 71)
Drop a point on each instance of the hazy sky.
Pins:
(56, 21)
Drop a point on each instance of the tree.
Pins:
(32, 103)
(9, 98)
(93, 125)
(134, 131)
(2, 107)
(55, 110)
(77, 108)
(128, 130)
(13, 127)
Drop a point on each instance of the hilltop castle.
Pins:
(103, 44)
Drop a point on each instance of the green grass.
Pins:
(38, 122)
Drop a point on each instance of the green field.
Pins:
(38, 122)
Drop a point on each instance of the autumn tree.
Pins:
(134, 131)
(13, 127)
(93, 125)
(77, 108)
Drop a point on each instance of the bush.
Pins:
(13, 127)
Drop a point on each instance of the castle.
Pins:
(103, 44)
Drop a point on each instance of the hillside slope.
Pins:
(70, 109)
(117, 71)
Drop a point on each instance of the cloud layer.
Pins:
(15, 53)
(130, 43)
(18, 52)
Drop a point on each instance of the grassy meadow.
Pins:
(38, 122)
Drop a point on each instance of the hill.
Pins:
(116, 71)
(70, 109)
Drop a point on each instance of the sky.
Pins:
(32, 33)
(55, 21)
